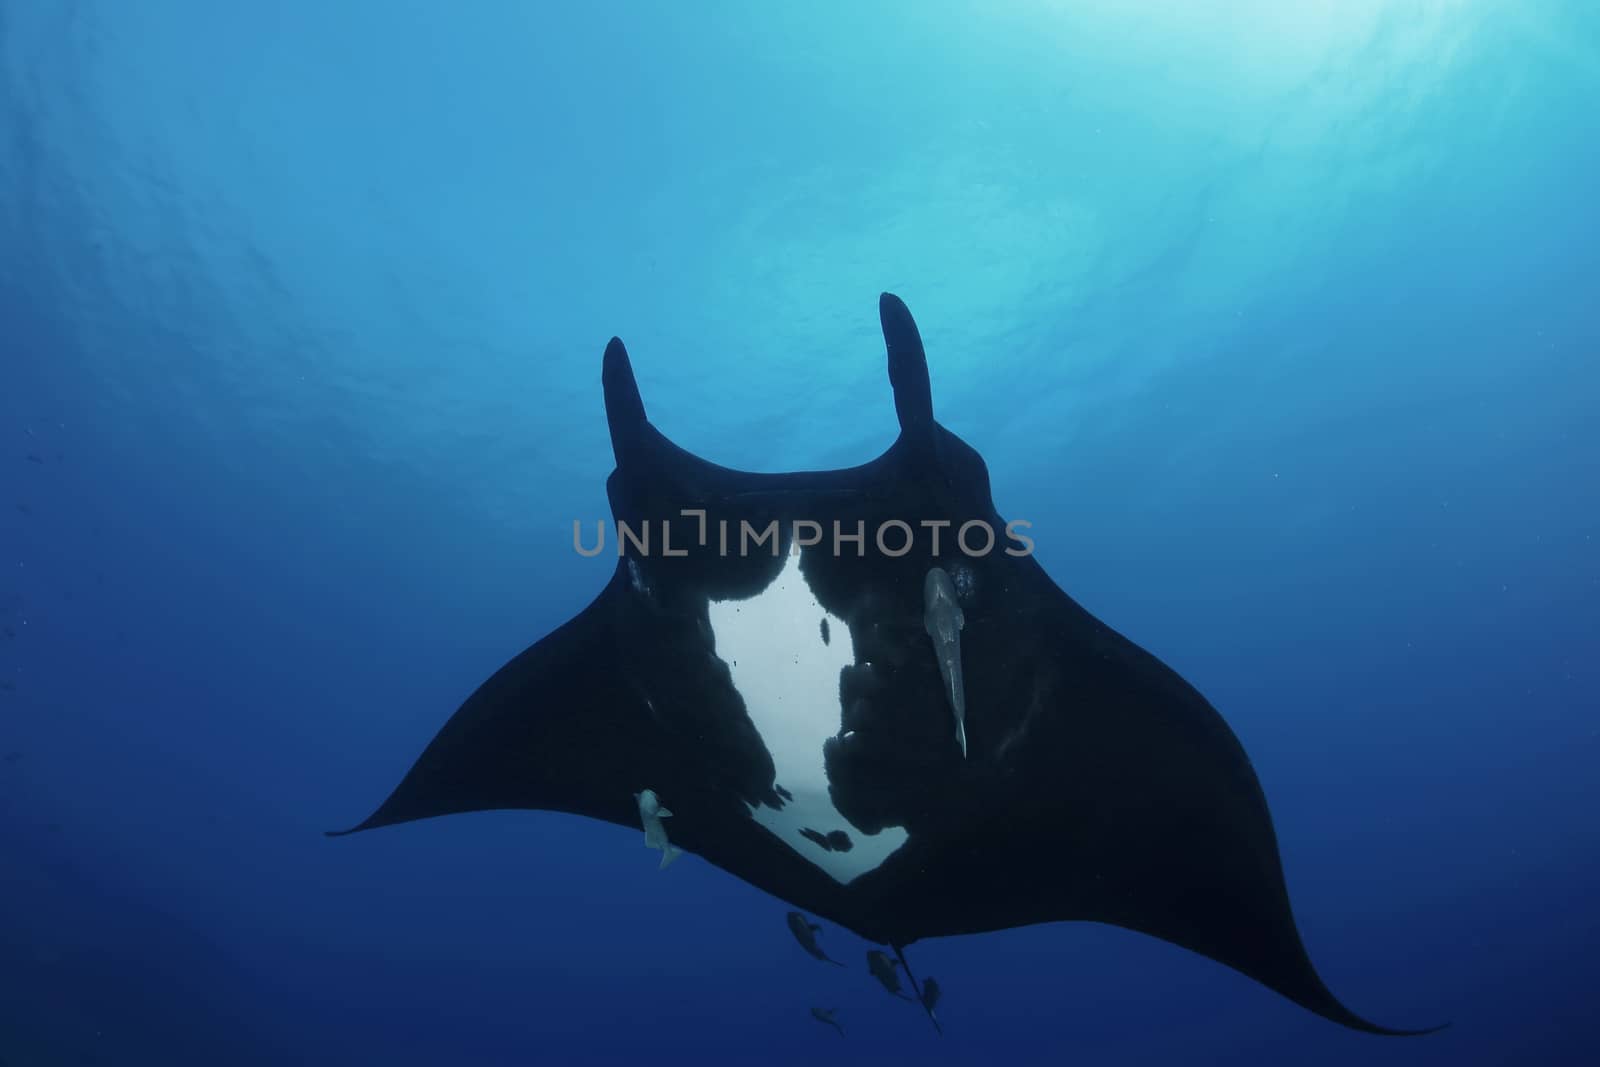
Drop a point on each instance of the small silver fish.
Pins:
(651, 813)
(942, 618)
(825, 1015)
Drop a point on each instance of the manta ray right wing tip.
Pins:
(1385, 1031)
(1338, 1013)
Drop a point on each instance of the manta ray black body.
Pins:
(820, 762)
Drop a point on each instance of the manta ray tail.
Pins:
(916, 989)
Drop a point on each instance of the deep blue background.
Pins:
(1277, 320)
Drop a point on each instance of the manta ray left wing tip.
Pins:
(370, 823)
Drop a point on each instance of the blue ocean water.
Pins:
(1277, 321)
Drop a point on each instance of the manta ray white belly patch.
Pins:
(789, 680)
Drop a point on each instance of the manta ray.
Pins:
(906, 753)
